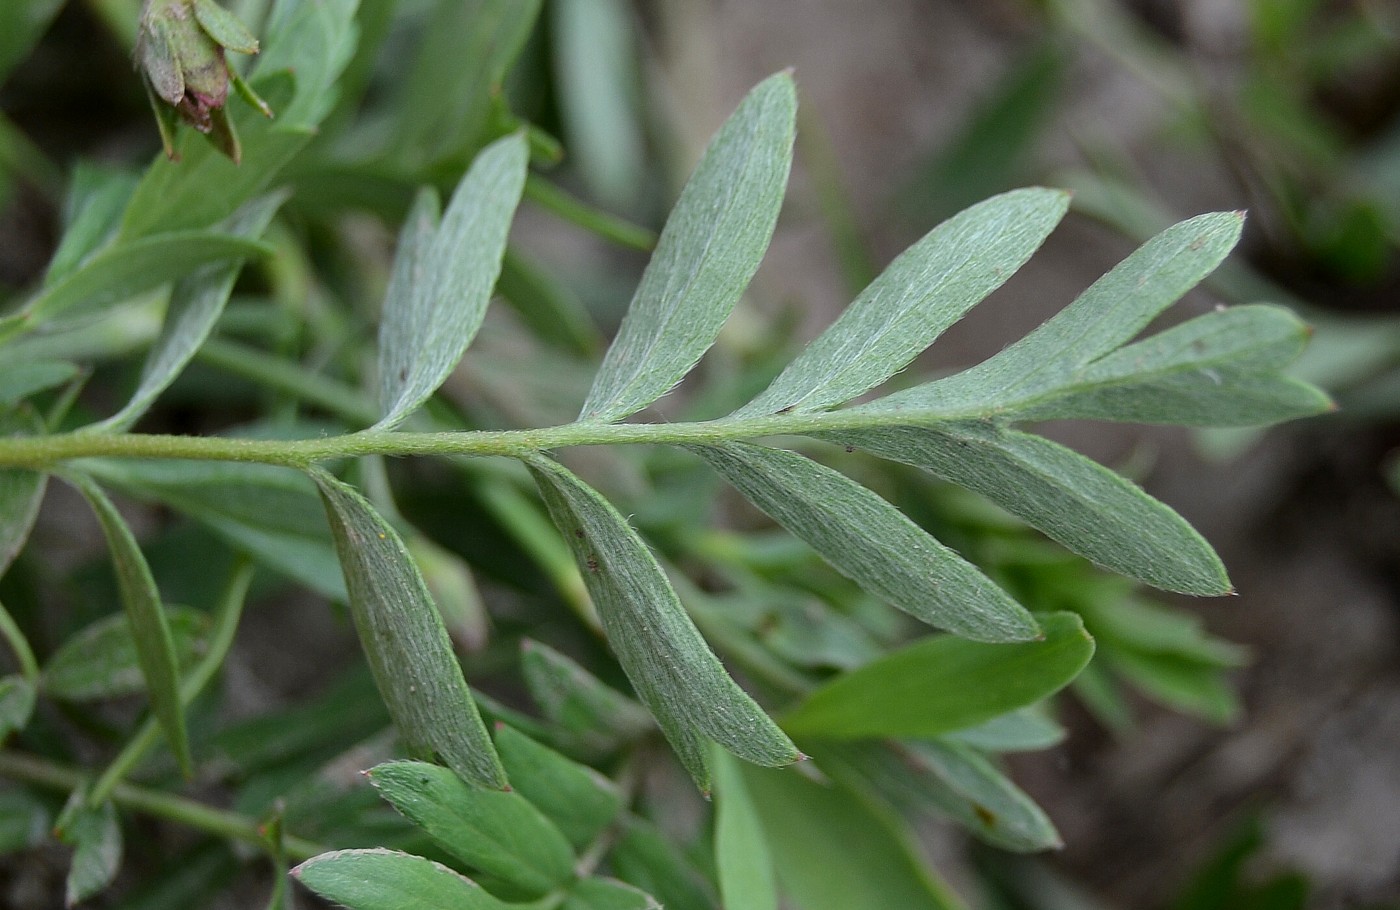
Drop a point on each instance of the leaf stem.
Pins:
(39, 772)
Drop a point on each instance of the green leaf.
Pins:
(707, 253)
(224, 27)
(928, 288)
(315, 41)
(1178, 682)
(445, 107)
(944, 683)
(196, 302)
(500, 834)
(269, 512)
(578, 800)
(547, 305)
(1088, 508)
(833, 852)
(741, 846)
(97, 196)
(442, 282)
(570, 697)
(1111, 312)
(1023, 730)
(608, 894)
(650, 860)
(949, 778)
(405, 642)
(204, 187)
(16, 704)
(101, 661)
(96, 837)
(24, 821)
(150, 630)
(389, 880)
(20, 380)
(21, 492)
(1220, 369)
(124, 270)
(22, 22)
(871, 542)
(665, 657)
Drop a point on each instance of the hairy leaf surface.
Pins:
(378, 879)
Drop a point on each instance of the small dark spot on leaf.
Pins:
(403, 374)
(578, 532)
(593, 564)
(785, 410)
(850, 449)
(985, 815)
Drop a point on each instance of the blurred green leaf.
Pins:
(871, 542)
(97, 196)
(150, 629)
(833, 852)
(20, 380)
(101, 660)
(22, 23)
(943, 683)
(405, 642)
(547, 305)
(670, 665)
(443, 280)
(16, 704)
(21, 492)
(570, 697)
(1178, 682)
(24, 821)
(1023, 730)
(746, 879)
(315, 41)
(500, 834)
(96, 839)
(196, 302)
(608, 894)
(578, 800)
(1088, 508)
(271, 513)
(926, 289)
(710, 248)
(444, 108)
(388, 880)
(648, 859)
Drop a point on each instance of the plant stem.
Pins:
(46, 452)
(230, 825)
(610, 227)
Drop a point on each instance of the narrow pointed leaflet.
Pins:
(707, 253)
(871, 542)
(379, 879)
(670, 665)
(926, 289)
(443, 280)
(405, 642)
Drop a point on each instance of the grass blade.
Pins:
(1083, 505)
(707, 253)
(670, 665)
(405, 642)
(150, 629)
(442, 285)
(928, 288)
(871, 542)
(943, 684)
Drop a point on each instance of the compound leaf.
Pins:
(707, 253)
(926, 289)
(872, 542)
(672, 668)
(405, 642)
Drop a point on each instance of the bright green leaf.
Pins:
(150, 630)
(928, 288)
(405, 642)
(944, 683)
(1111, 312)
(1083, 505)
(665, 657)
(21, 492)
(96, 837)
(196, 302)
(389, 880)
(871, 542)
(709, 250)
(500, 834)
(741, 846)
(577, 799)
(1027, 729)
(833, 852)
(101, 661)
(608, 894)
(440, 288)
(949, 778)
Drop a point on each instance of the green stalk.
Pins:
(230, 825)
(610, 227)
(24, 655)
(229, 611)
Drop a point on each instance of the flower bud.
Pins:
(180, 48)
